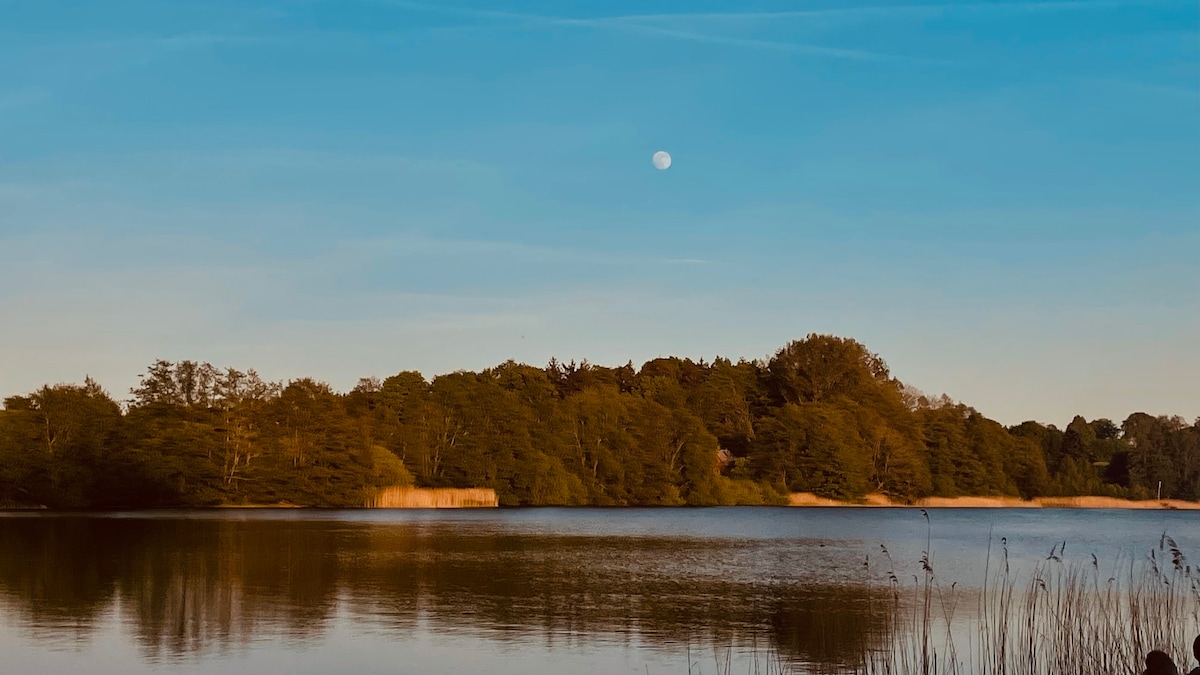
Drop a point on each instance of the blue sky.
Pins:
(1001, 198)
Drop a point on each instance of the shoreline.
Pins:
(807, 499)
(795, 500)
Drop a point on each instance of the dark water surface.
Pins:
(497, 591)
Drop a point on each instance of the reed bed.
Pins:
(432, 498)
(1063, 617)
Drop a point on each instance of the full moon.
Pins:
(662, 160)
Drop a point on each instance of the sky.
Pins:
(1002, 199)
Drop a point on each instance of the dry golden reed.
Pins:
(433, 498)
(1060, 618)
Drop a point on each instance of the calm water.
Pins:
(495, 591)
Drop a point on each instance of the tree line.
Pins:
(822, 415)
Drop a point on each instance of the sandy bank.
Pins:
(809, 499)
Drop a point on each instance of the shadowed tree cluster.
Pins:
(822, 415)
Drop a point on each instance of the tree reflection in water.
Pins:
(190, 586)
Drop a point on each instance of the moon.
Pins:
(662, 160)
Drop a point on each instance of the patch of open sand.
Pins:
(809, 499)
(977, 503)
(1113, 503)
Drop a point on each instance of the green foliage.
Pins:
(387, 470)
(816, 447)
(745, 492)
(823, 415)
(821, 367)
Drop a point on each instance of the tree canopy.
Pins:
(822, 415)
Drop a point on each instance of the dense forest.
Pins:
(823, 415)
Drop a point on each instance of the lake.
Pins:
(503, 591)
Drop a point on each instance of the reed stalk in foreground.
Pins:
(1064, 618)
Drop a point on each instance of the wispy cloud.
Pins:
(629, 24)
(1152, 88)
(668, 24)
(89, 60)
(772, 45)
(151, 45)
(417, 245)
(879, 11)
(141, 51)
(304, 159)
